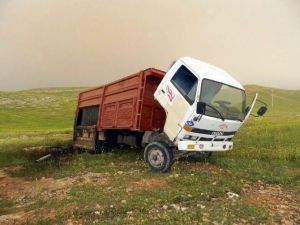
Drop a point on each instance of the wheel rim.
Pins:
(156, 157)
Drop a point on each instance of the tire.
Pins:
(102, 147)
(98, 147)
(159, 157)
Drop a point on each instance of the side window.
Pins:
(186, 83)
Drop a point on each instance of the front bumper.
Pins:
(200, 146)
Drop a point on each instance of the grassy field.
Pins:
(256, 183)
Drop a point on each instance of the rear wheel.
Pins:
(103, 147)
(158, 156)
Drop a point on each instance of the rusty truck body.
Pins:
(119, 112)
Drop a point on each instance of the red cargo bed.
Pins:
(126, 104)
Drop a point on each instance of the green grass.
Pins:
(266, 150)
(50, 109)
(5, 206)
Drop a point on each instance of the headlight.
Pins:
(190, 137)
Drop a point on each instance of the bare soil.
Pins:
(283, 206)
(23, 193)
(149, 184)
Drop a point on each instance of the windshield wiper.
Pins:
(216, 111)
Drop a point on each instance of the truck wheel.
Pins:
(158, 156)
(98, 147)
(101, 147)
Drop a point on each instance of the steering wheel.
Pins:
(223, 103)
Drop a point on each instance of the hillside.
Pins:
(38, 109)
(53, 108)
(284, 100)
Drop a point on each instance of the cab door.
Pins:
(177, 96)
(250, 107)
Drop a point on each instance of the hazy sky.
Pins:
(47, 43)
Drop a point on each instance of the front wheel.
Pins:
(158, 156)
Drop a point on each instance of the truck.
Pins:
(192, 109)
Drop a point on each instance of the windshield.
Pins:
(229, 101)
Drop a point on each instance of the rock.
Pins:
(232, 195)
(111, 206)
(176, 207)
(201, 206)
(183, 208)
(165, 207)
(124, 201)
(97, 206)
(97, 213)
(247, 185)
(244, 221)
(190, 196)
(205, 220)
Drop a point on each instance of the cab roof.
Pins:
(207, 71)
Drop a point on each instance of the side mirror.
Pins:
(201, 106)
(262, 110)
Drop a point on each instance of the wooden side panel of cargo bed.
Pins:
(123, 105)
(109, 115)
(125, 113)
(90, 97)
(118, 114)
(119, 104)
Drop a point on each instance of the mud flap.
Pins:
(85, 137)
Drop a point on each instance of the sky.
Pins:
(55, 43)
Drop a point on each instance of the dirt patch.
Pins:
(29, 217)
(283, 206)
(23, 193)
(98, 178)
(149, 184)
(18, 188)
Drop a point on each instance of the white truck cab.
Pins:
(204, 106)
